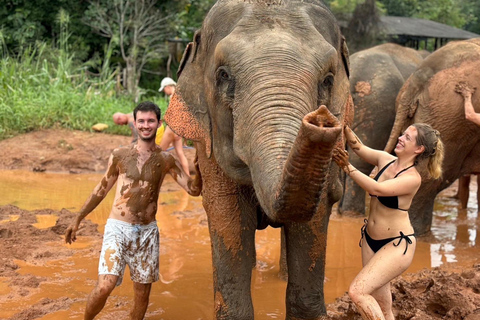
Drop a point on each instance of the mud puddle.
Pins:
(61, 284)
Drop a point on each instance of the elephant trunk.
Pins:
(293, 193)
(403, 117)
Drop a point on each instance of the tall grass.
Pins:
(45, 87)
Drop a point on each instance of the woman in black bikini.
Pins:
(388, 240)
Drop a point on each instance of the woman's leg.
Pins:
(384, 300)
(370, 290)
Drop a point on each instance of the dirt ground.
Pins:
(439, 293)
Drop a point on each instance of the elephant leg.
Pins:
(464, 190)
(353, 200)
(306, 249)
(478, 192)
(232, 273)
(232, 222)
(421, 209)
(283, 274)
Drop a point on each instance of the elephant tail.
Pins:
(406, 107)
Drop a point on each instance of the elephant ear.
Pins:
(187, 114)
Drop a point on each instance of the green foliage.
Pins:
(191, 15)
(24, 22)
(43, 89)
(443, 11)
(344, 8)
(404, 8)
(456, 13)
(472, 9)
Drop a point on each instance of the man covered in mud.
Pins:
(131, 234)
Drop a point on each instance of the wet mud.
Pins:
(43, 278)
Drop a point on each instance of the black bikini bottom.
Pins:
(376, 245)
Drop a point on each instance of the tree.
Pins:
(25, 22)
(363, 29)
(138, 27)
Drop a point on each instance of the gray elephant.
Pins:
(263, 91)
(377, 75)
(429, 96)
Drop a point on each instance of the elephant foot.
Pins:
(464, 89)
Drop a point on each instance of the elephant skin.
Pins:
(429, 96)
(377, 75)
(263, 91)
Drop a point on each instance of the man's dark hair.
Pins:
(147, 106)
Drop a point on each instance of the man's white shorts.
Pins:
(133, 244)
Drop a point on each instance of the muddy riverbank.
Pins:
(450, 291)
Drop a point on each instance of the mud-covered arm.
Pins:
(99, 193)
(470, 113)
(368, 154)
(192, 186)
(403, 184)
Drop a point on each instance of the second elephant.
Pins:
(377, 74)
(429, 96)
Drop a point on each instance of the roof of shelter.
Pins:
(415, 27)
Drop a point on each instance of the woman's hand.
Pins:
(352, 139)
(340, 156)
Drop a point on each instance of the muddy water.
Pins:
(185, 290)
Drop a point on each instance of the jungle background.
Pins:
(71, 64)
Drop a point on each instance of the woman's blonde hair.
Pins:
(434, 151)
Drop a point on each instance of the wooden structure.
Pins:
(410, 32)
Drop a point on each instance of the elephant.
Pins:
(377, 74)
(263, 92)
(429, 96)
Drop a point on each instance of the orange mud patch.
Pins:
(21, 243)
(363, 88)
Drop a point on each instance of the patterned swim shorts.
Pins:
(133, 244)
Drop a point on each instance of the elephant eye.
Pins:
(225, 82)
(324, 90)
(328, 81)
(223, 74)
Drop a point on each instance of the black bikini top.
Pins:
(390, 202)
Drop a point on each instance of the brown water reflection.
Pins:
(185, 290)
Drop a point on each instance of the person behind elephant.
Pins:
(388, 240)
(470, 114)
(467, 91)
(126, 119)
(131, 234)
(168, 85)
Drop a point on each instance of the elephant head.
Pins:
(264, 87)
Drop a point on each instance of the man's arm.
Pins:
(99, 193)
(192, 186)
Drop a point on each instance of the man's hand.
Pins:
(71, 234)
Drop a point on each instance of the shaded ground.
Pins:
(439, 293)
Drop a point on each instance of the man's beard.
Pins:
(147, 139)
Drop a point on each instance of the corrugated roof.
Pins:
(415, 27)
